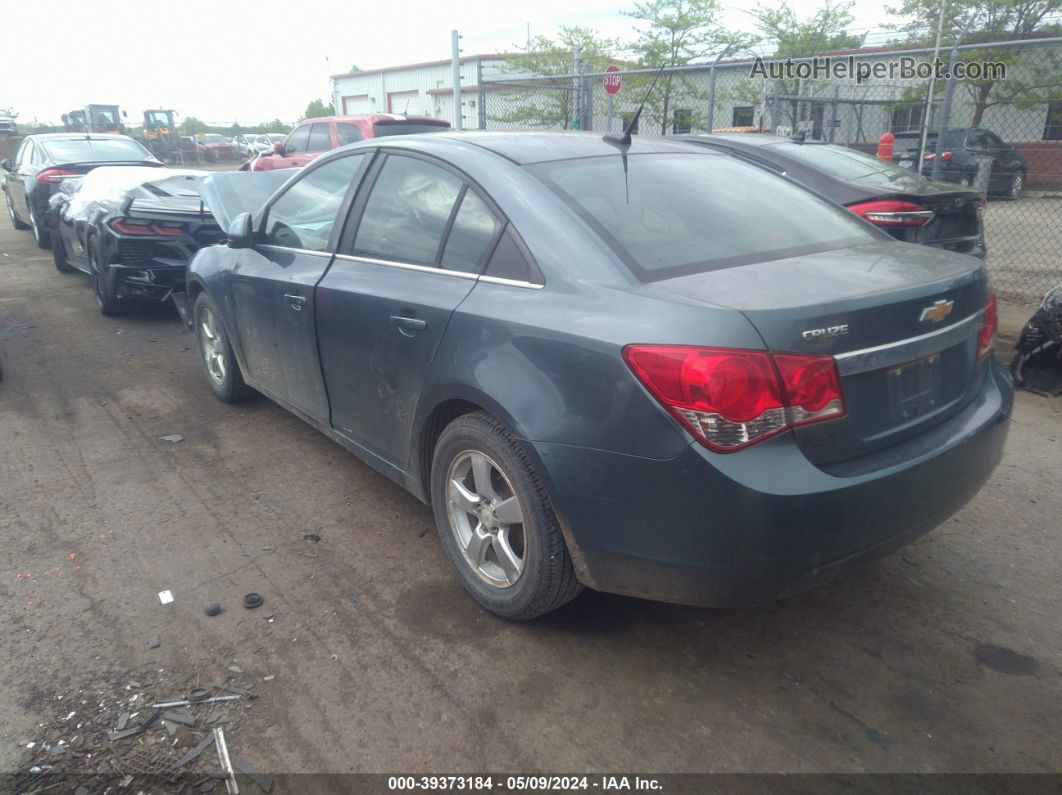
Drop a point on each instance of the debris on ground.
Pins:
(122, 735)
(1037, 363)
(153, 643)
(173, 438)
(212, 609)
(165, 597)
(252, 600)
(313, 538)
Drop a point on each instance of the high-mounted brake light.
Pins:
(893, 213)
(124, 226)
(730, 399)
(986, 335)
(54, 175)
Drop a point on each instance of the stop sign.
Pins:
(612, 80)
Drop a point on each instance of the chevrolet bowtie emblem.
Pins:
(936, 313)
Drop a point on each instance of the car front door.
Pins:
(294, 148)
(410, 254)
(273, 284)
(1004, 165)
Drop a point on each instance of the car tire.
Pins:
(515, 569)
(40, 236)
(106, 301)
(11, 214)
(1017, 182)
(965, 181)
(216, 355)
(59, 255)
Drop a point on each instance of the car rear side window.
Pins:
(320, 138)
(407, 212)
(381, 128)
(347, 133)
(305, 214)
(298, 139)
(471, 237)
(672, 214)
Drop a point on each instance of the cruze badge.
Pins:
(937, 312)
(824, 333)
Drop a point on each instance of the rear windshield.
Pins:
(693, 213)
(845, 163)
(93, 150)
(406, 128)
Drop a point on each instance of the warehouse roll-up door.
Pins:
(407, 102)
(359, 103)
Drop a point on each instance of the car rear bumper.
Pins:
(147, 281)
(746, 528)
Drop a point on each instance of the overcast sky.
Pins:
(250, 62)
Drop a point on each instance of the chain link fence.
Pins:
(1011, 125)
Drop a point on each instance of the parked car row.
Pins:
(656, 367)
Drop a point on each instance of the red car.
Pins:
(314, 137)
(215, 147)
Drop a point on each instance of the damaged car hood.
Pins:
(229, 193)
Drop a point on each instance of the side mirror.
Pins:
(279, 149)
(241, 231)
(5, 164)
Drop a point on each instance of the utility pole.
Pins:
(929, 93)
(576, 93)
(455, 76)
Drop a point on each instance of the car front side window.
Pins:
(298, 140)
(305, 214)
(320, 138)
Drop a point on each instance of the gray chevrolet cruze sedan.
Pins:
(650, 369)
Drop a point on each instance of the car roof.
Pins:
(72, 136)
(539, 147)
(377, 117)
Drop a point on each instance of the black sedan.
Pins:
(959, 156)
(44, 161)
(906, 205)
(640, 366)
(134, 231)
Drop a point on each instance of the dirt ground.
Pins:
(945, 657)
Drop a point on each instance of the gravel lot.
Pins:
(1023, 237)
(375, 659)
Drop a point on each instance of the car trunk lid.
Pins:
(900, 320)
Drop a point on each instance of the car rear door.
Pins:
(21, 173)
(273, 284)
(416, 241)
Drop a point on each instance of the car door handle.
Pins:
(296, 302)
(408, 325)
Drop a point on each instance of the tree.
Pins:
(277, 126)
(318, 108)
(548, 97)
(822, 32)
(677, 33)
(192, 126)
(1028, 82)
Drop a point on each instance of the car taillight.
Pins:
(54, 175)
(945, 156)
(124, 226)
(986, 335)
(893, 213)
(730, 399)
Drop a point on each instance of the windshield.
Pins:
(93, 150)
(406, 128)
(693, 213)
(846, 163)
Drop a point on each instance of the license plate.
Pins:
(906, 163)
(914, 388)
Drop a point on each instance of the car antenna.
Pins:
(624, 141)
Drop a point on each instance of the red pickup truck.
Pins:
(314, 137)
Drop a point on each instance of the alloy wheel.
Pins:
(211, 345)
(1016, 184)
(486, 519)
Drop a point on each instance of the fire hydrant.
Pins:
(885, 144)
